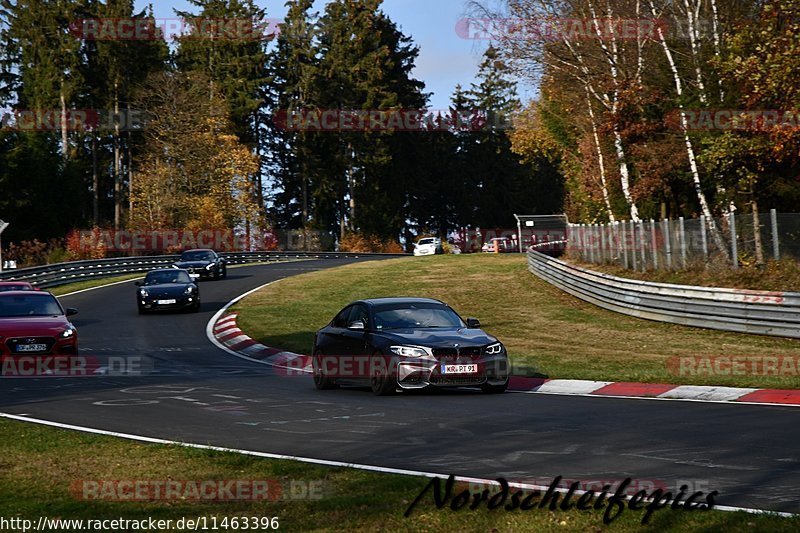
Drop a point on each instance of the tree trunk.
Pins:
(351, 186)
(600, 159)
(701, 197)
(95, 183)
(117, 164)
(64, 136)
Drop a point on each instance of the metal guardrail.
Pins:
(62, 273)
(745, 311)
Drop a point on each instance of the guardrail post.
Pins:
(623, 242)
(654, 243)
(682, 240)
(734, 244)
(776, 251)
(704, 236)
(667, 244)
(602, 243)
(643, 243)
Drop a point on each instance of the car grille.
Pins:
(15, 343)
(451, 354)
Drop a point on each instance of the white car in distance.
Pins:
(428, 246)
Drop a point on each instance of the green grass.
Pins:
(547, 332)
(38, 465)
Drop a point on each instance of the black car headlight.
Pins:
(209, 266)
(189, 291)
(411, 351)
(494, 349)
(67, 333)
(143, 293)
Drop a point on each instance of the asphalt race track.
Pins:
(191, 391)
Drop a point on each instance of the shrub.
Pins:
(361, 243)
(34, 253)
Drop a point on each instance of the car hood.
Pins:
(437, 338)
(33, 326)
(164, 289)
(192, 264)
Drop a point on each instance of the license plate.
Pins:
(194, 276)
(459, 369)
(166, 302)
(31, 347)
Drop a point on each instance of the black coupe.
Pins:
(203, 263)
(168, 288)
(407, 343)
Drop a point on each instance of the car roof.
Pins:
(198, 250)
(26, 293)
(167, 270)
(395, 301)
(4, 283)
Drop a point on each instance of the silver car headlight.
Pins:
(494, 349)
(411, 351)
(67, 333)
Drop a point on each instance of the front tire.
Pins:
(382, 380)
(494, 389)
(321, 381)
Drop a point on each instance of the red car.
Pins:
(17, 286)
(34, 323)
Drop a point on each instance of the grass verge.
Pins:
(89, 284)
(39, 465)
(544, 329)
(783, 275)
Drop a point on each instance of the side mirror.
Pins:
(357, 325)
(71, 311)
(473, 323)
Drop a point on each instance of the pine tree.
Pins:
(365, 64)
(228, 43)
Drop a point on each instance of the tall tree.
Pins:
(227, 42)
(114, 71)
(365, 64)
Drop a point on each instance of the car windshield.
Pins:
(197, 256)
(167, 276)
(29, 305)
(425, 241)
(416, 316)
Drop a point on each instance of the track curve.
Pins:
(191, 391)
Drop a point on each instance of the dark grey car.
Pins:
(406, 344)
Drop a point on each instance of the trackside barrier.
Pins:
(744, 311)
(62, 273)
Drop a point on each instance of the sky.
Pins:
(446, 58)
